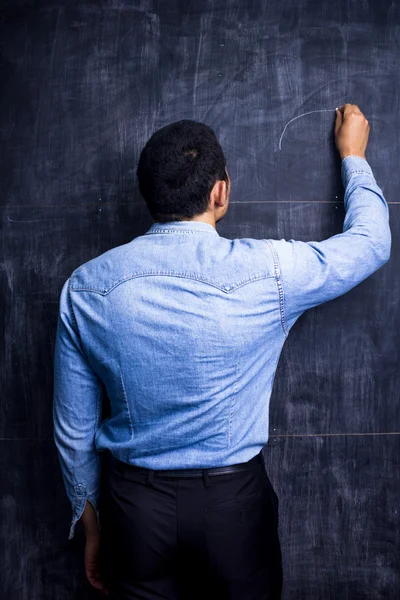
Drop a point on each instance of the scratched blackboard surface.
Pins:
(83, 86)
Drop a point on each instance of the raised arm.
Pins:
(314, 272)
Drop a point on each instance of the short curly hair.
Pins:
(178, 168)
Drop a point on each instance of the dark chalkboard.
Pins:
(83, 86)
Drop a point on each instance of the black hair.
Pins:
(178, 168)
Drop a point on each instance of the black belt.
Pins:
(258, 459)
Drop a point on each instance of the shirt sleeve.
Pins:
(310, 273)
(77, 400)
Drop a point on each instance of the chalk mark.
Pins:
(303, 115)
(196, 73)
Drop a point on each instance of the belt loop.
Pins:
(206, 478)
(150, 478)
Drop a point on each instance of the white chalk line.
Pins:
(303, 115)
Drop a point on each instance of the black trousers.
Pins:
(190, 538)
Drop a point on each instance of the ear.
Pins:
(218, 192)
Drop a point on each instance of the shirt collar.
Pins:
(177, 226)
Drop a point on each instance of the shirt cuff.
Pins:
(354, 165)
(78, 506)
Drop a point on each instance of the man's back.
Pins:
(185, 327)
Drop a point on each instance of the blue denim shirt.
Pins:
(184, 329)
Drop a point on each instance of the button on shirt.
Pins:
(183, 329)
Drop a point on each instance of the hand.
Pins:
(92, 546)
(351, 131)
(92, 564)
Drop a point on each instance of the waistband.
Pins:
(124, 467)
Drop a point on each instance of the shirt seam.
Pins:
(169, 273)
(74, 323)
(232, 404)
(126, 403)
(279, 286)
(348, 174)
(181, 231)
(73, 319)
(358, 171)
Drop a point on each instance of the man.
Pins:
(183, 329)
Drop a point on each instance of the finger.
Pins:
(347, 109)
(351, 109)
(356, 109)
(96, 581)
(339, 120)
